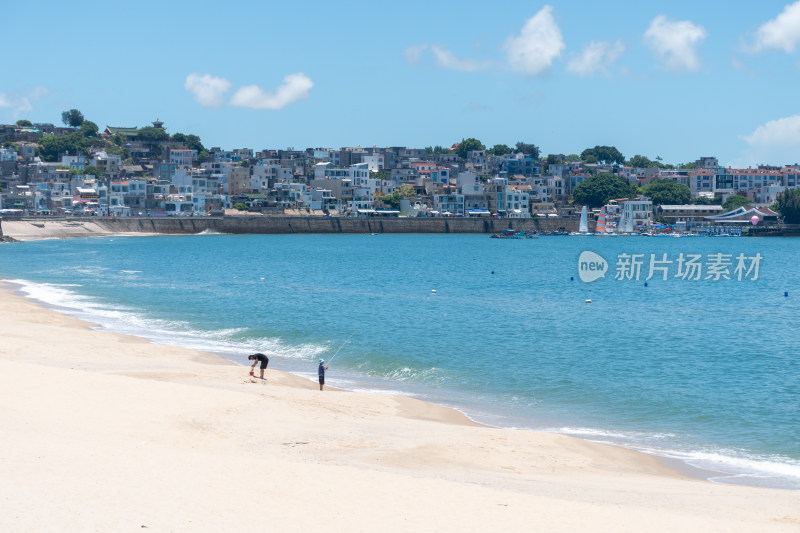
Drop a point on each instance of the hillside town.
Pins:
(166, 176)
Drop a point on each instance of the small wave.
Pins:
(208, 231)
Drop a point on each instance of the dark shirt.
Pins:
(321, 371)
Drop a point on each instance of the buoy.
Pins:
(492, 271)
(645, 284)
(786, 294)
(572, 278)
(262, 279)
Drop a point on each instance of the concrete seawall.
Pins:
(44, 227)
(238, 225)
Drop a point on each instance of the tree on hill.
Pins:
(151, 134)
(468, 145)
(191, 141)
(605, 155)
(597, 190)
(639, 161)
(52, 146)
(24, 123)
(735, 201)
(788, 204)
(73, 118)
(572, 158)
(499, 149)
(89, 129)
(528, 149)
(667, 192)
(436, 150)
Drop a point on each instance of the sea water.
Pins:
(701, 366)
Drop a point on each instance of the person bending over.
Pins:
(256, 357)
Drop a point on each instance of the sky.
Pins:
(676, 80)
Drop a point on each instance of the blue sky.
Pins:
(682, 80)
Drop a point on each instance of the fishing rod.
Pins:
(340, 348)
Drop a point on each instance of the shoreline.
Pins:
(674, 463)
(137, 434)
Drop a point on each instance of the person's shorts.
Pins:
(322, 380)
(264, 364)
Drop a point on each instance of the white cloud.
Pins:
(784, 132)
(23, 103)
(597, 56)
(782, 32)
(207, 89)
(775, 143)
(538, 44)
(295, 87)
(444, 58)
(675, 42)
(413, 53)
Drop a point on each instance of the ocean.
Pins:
(700, 367)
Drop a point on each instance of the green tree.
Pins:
(191, 141)
(152, 135)
(499, 149)
(735, 201)
(597, 190)
(73, 118)
(24, 123)
(240, 206)
(667, 192)
(379, 175)
(52, 146)
(436, 150)
(788, 205)
(572, 158)
(705, 200)
(89, 129)
(468, 145)
(528, 149)
(605, 155)
(639, 161)
(94, 171)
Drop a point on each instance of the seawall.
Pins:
(44, 227)
(237, 225)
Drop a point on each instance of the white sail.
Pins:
(626, 223)
(584, 225)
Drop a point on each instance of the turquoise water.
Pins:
(704, 371)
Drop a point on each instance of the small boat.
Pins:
(509, 233)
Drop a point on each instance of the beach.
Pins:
(108, 432)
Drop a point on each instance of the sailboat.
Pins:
(583, 227)
(602, 229)
(626, 224)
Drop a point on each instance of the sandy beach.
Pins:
(107, 432)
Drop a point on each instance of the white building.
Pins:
(637, 213)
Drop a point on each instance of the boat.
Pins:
(509, 233)
(600, 227)
(583, 227)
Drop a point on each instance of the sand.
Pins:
(107, 432)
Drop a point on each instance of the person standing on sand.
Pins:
(321, 371)
(256, 357)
